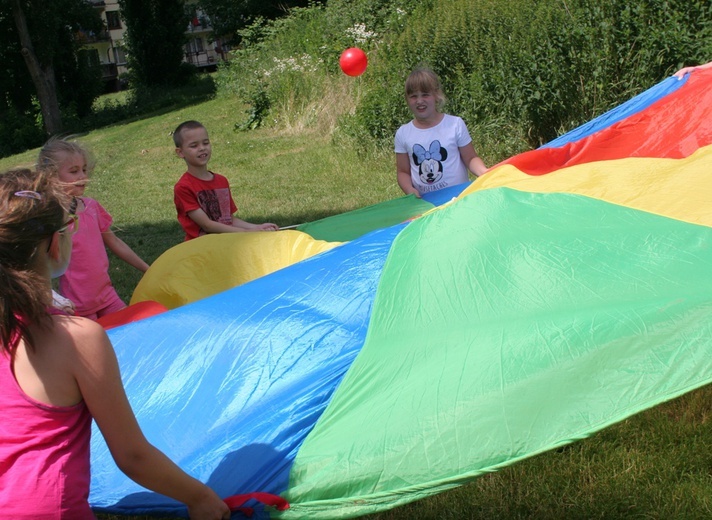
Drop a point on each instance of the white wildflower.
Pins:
(360, 34)
(303, 63)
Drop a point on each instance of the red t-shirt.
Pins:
(213, 197)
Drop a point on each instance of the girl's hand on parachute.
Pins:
(681, 73)
(209, 507)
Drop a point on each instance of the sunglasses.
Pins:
(71, 226)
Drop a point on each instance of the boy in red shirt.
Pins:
(202, 198)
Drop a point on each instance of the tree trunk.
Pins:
(43, 78)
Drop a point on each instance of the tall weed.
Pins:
(519, 72)
(287, 69)
(534, 69)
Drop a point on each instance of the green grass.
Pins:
(656, 465)
(286, 178)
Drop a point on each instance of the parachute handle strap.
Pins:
(235, 502)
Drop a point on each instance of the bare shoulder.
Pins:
(80, 336)
(69, 352)
(77, 326)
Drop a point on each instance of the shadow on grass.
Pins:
(144, 102)
(148, 241)
(136, 105)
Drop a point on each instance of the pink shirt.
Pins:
(44, 455)
(86, 281)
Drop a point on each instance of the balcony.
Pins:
(199, 24)
(85, 37)
(201, 59)
(109, 71)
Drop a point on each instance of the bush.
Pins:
(532, 69)
(144, 101)
(20, 131)
(278, 65)
(518, 72)
(284, 67)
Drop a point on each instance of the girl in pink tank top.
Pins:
(59, 372)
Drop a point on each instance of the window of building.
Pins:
(194, 46)
(90, 56)
(112, 20)
(119, 56)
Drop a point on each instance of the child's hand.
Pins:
(681, 73)
(62, 303)
(210, 508)
(268, 226)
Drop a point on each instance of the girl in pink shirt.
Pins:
(86, 282)
(58, 372)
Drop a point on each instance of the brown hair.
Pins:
(185, 125)
(51, 154)
(32, 208)
(423, 79)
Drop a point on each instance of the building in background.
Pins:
(106, 49)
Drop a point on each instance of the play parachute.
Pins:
(564, 291)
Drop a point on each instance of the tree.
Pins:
(155, 35)
(230, 16)
(42, 75)
(42, 65)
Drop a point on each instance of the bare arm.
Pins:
(681, 73)
(403, 171)
(97, 374)
(267, 226)
(123, 251)
(238, 226)
(473, 161)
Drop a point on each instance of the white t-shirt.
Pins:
(434, 153)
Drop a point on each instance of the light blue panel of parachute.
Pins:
(229, 386)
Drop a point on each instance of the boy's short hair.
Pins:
(185, 125)
(423, 79)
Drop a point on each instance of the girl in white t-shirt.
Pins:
(433, 151)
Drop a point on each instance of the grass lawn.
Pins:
(657, 464)
(285, 178)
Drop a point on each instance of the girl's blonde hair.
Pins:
(423, 79)
(54, 150)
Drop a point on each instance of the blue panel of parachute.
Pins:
(229, 386)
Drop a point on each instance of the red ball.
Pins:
(353, 61)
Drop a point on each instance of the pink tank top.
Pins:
(44, 455)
